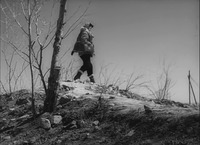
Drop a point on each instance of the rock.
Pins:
(111, 97)
(45, 123)
(110, 88)
(26, 142)
(16, 142)
(7, 137)
(57, 119)
(59, 107)
(147, 109)
(130, 133)
(59, 141)
(24, 116)
(11, 109)
(73, 122)
(13, 119)
(95, 123)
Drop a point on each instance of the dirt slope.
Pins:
(93, 115)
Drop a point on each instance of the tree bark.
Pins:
(53, 81)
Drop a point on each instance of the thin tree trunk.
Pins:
(30, 61)
(51, 98)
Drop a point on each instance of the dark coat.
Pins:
(84, 44)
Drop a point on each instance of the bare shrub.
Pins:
(164, 84)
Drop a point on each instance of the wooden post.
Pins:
(193, 93)
(189, 87)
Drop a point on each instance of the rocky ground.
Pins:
(90, 114)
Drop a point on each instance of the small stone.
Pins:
(59, 141)
(25, 142)
(24, 116)
(130, 133)
(7, 137)
(15, 142)
(13, 119)
(95, 123)
(57, 119)
(11, 109)
(111, 97)
(73, 122)
(59, 106)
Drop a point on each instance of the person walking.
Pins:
(85, 48)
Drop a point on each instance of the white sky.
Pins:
(137, 35)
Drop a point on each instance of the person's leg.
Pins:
(82, 69)
(89, 69)
(78, 75)
(87, 66)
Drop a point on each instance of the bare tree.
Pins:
(50, 102)
(21, 18)
(12, 76)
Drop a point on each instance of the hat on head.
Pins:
(91, 25)
(88, 25)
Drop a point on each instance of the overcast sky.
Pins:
(138, 35)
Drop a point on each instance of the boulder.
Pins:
(56, 119)
(45, 123)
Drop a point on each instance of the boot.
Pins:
(92, 78)
(78, 75)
